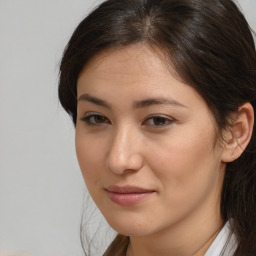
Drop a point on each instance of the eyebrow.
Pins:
(92, 99)
(136, 104)
(157, 101)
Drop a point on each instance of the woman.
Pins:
(162, 94)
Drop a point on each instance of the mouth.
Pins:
(127, 195)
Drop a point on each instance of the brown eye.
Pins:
(158, 121)
(95, 119)
(99, 119)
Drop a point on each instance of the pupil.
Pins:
(99, 119)
(159, 120)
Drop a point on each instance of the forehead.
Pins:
(136, 60)
(135, 69)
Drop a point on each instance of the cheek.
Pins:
(181, 153)
(89, 158)
(187, 167)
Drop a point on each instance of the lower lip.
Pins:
(128, 199)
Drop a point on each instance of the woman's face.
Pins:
(146, 144)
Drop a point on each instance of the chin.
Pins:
(132, 231)
(131, 226)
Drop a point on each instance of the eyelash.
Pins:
(90, 119)
(96, 119)
(163, 119)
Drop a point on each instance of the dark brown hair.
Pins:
(210, 46)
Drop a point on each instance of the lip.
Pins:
(127, 195)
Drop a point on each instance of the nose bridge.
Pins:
(125, 151)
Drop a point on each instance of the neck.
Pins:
(205, 247)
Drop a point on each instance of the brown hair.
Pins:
(211, 47)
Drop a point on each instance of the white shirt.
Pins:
(224, 244)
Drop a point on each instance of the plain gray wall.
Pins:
(41, 188)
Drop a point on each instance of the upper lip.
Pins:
(127, 189)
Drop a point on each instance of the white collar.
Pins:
(224, 244)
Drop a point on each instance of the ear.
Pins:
(238, 137)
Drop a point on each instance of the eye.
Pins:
(158, 121)
(95, 119)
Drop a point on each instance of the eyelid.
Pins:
(86, 118)
(168, 119)
(89, 113)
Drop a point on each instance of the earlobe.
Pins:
(240, 133)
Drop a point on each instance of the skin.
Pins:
(169, 148)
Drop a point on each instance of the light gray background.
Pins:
(41, 188)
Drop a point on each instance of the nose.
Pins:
(125, 152)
